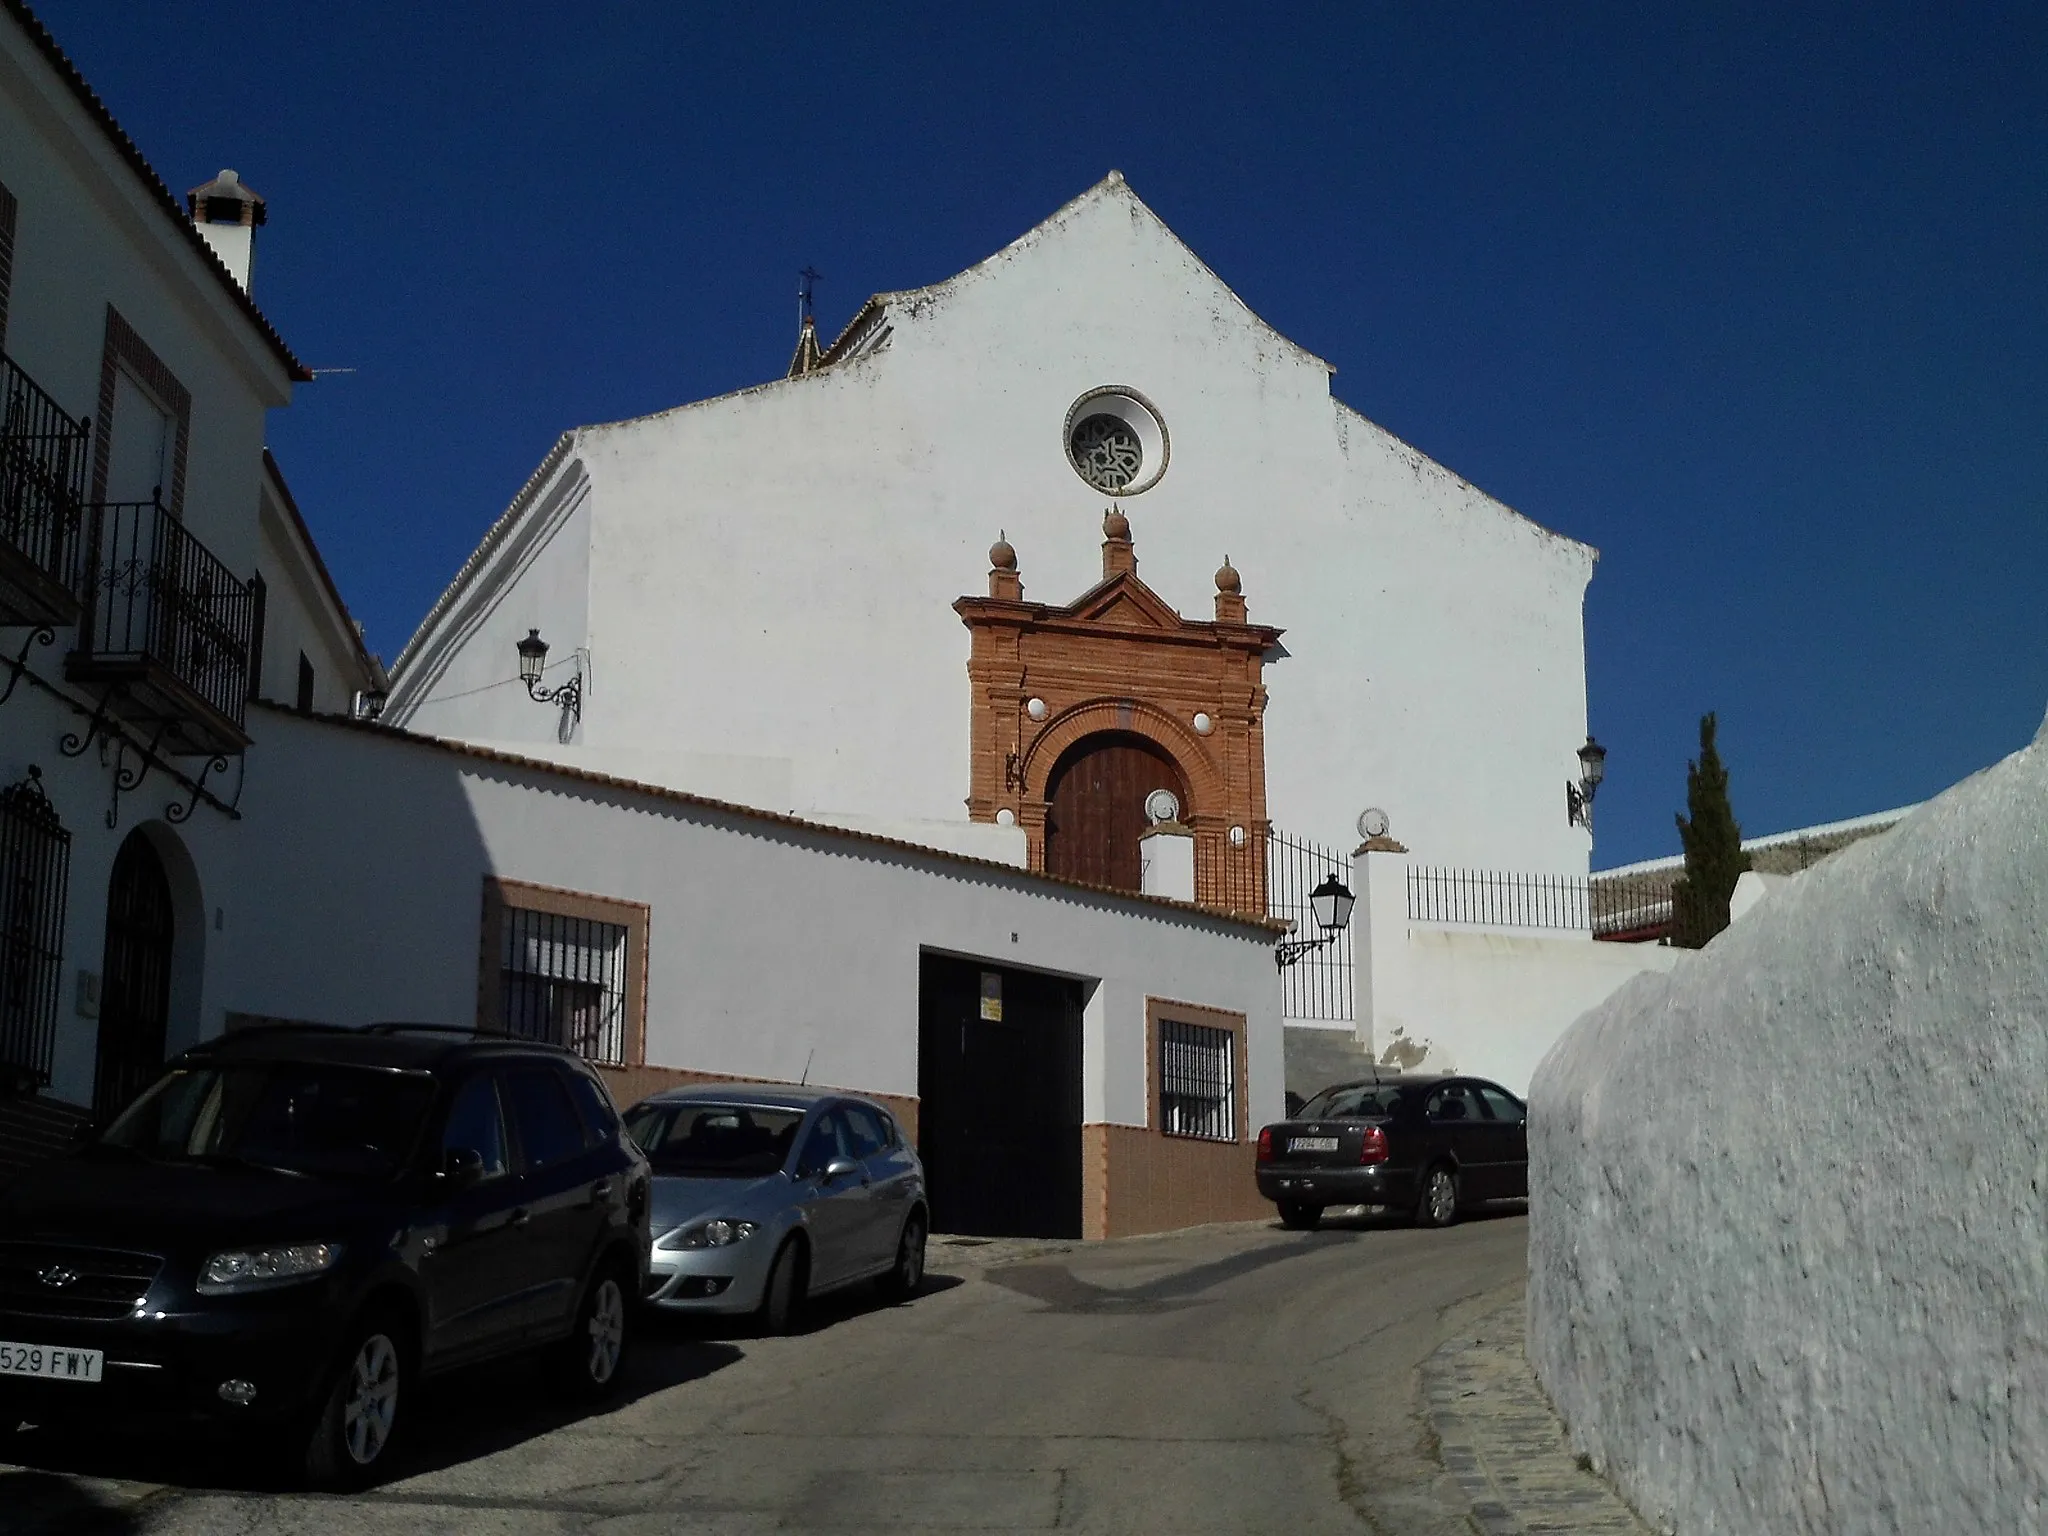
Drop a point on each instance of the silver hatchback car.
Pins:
(764, 1197)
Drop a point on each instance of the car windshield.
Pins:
(1368, 1102)
(732, 1141)
(318, 1119)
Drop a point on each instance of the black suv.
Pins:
(295, 1224)
(1430, 1145)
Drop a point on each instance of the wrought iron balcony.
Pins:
(42, 499)
(165, 632)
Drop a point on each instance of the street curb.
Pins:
(1502, 1444)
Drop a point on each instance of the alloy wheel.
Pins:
(371, 1407)
(910, 1264)
(607, 1330)
(1443, 1197)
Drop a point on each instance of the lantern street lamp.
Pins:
(533, 662)
(1331, 902)
(1578, 798)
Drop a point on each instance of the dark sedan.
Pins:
(1431, 1145)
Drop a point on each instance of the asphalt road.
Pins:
(1232, 1379)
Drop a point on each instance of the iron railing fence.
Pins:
(563, 981)
(1638, 905)
(1319, 984)
(1197, 1081)
(1493, 898)
(158, 594)
(35, 872)
(42, 477)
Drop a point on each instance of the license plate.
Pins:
(1311, 1143)
(50, 1362)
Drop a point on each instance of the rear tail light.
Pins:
(1266, 1145)
(1372, 1148)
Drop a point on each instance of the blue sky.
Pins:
(1754, 299)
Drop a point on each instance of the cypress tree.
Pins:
(1714, 859)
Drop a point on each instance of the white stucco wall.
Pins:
(799, 545)
(359, 898)
(1438, 997)
(88, 235)
(1788, 1270)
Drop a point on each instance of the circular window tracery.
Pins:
(1107, 452)
(1116, 441)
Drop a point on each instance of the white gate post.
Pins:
(1379, 942)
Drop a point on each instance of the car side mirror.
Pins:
(462, 1165)
(840, 1168)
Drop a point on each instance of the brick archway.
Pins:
(1120, 659)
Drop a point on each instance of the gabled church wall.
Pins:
(773, 571)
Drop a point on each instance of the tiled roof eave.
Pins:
(153, 185)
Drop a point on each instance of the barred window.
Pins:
(1197, 1081)
(563, 980)
(35, 865)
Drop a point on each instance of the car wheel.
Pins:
(1300, 1215)
(594, 1355)
(1437, 1206)
(902, 1282)
(351, 1438)
(782, 1302)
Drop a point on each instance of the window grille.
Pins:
(563, 981)
(35, 869)
(1197, 1081)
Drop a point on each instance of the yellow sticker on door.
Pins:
(992, 997)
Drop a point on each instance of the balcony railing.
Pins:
(42, 497)
(166, 628)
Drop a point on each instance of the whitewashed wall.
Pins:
(1464, 998)
(1787, 1264)
(772, 572)
(358, 897)
(87, 235)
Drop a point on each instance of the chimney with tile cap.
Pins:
(227, 214)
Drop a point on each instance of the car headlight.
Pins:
(719, 1233)
(255, 1269)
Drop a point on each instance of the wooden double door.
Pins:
(1095, 812)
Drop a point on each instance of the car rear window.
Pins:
(714, 1140)
(1368, 1102)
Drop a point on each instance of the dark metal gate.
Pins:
(135, 994)
(35, 872)
(1319, 985)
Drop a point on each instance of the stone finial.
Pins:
(1229, 594)
(1002, 570)
(1118, 556)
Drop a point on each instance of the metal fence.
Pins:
(42, 478)
(159, 594)
(563, 981)
(1493, 898)
(1319, 984)
(35, 870)
(1638, 906)
(1197, 1081)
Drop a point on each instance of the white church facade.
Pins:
(758, 591)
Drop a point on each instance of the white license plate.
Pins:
(1311, 1143)
(50, 1362)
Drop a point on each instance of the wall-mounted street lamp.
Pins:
(1331, 902)
(533, 662)
(1578, 798)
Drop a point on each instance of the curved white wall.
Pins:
(1788, 1268)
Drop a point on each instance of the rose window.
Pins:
(1107, 453)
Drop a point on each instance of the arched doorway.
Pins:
(1095, 807)
(135, 988)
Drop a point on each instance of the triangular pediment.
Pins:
(1127, 602)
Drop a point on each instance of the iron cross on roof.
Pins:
(810, 275)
